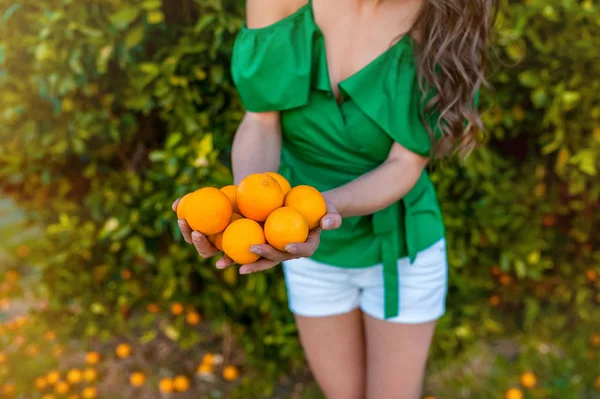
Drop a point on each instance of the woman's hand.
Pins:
(200, 241)
(272, 257)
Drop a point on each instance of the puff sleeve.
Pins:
(271, 66)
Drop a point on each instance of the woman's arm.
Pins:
(256, 145)
(380, 187)
(256, 148)
(368, 194)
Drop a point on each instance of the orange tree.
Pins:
(112, 109)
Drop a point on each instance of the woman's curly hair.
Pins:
(452, 58)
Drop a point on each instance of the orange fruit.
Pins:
(217, 239)
(23, 251)
(89, 393)
(208, 358)
(513, 393)
(231, 373)
(258, 195)
(9, 389)
(74, 396)
(74, 376)
(495, 300)
(152, 308)
(12, 276)
(231, 192)
(53, 377)
(239, 237)
(283, 183)
(31, 350)
(192, 318)
(137, 379)
(309, 202)
(181, 207)
(123, 351)
(62, 387)
(208, 210)
(166, 385)
(204, 369)
(177, 309)
(528, 380)
(505, 279)
(181, 383)
(285, 226)
(48, 396)
(40, 383)
(92, 358)
(90, 375)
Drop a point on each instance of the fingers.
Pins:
(332, 219)
(224, 262)
(267, 251)
(203, 246)
(258, 266)
(186, 230)
(306, 249)
(174, 206)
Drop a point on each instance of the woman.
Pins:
(334, 97)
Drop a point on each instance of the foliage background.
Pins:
(111, 109)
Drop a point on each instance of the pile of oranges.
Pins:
(262, 208)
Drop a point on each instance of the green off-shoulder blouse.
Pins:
(326, 144)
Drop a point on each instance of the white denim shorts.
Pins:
(316, 289)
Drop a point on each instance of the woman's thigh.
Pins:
(334, 347)
(396, 355)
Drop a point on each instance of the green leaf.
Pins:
(98, 308)
(520, 269)
(151, 4)
(150, 69)
(43, 52)
(570, 99)
(134, 36)
(532, 309)
(10, 11)
(148, 336)
(122, 18)
(586, 160)
(539, 97)
(171, 332)
(217, 73)
(155, 17)
(204, 22)
(95, 33)
(156, 156)
(529, 78)
(173, 139)
(103, 57)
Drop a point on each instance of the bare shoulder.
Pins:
(262, 13)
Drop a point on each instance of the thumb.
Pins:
(174, 206)
(332, 219)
